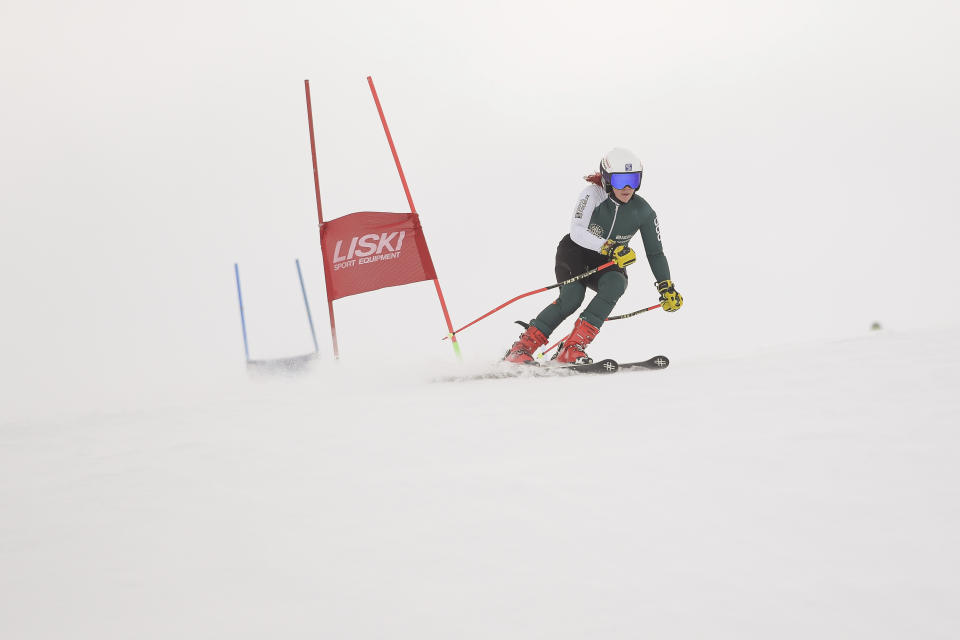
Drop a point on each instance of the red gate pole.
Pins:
(316, 186)
(406, 190)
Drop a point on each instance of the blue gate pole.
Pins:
(313, 334)
(243, 322)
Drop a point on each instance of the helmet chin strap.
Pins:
(607, 187)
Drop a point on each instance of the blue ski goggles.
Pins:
(621, 180)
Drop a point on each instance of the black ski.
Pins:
(601, 366)
(612, 366)
(656, 362)
(506, 370)
(605, 366)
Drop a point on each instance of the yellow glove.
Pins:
(619, 253)
(670, 300)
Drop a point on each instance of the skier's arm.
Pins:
(650, 233)
(580, 233)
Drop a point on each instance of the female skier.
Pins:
(608, 214)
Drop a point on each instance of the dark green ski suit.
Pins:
(600, 217)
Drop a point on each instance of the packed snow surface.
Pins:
(808, 491)
(791, 475)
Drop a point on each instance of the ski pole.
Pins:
(552, 347)
(530, 293)
(620, 317)
(634, 313)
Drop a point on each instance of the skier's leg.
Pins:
(573, 347)
(571, 297)
(610, 287)
(521, 352)
(569, 262)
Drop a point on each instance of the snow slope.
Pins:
(808, 491)
(802, 161)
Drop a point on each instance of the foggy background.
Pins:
(801, 157)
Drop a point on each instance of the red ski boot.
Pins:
(572, 351)
(522, 350)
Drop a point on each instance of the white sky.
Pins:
(801, 155)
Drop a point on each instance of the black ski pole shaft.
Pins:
(530, 293)
(634, 313)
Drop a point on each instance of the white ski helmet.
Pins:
(619, 160)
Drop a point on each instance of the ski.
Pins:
(612, 366)
(601, 366)
(654, 363)
(604, 366)
(505, 370)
